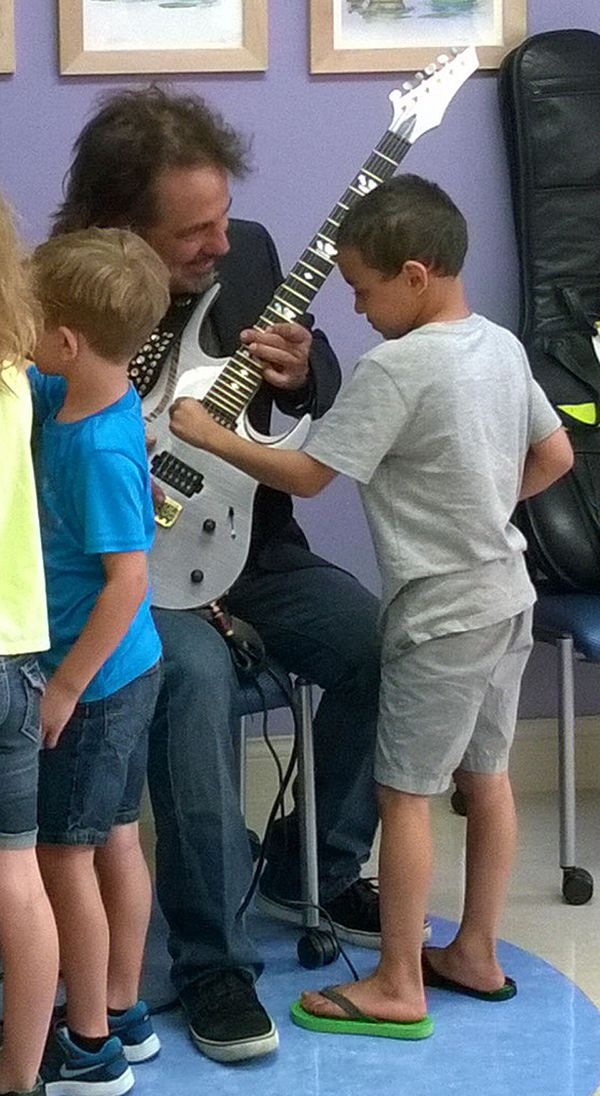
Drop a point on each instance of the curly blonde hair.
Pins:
(18, 309)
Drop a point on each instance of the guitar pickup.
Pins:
(168, 512)
(176, 473)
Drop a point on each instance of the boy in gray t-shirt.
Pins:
(444, 429)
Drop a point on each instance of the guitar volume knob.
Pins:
(209, 525)
(197, 575)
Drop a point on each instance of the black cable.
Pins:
(262, 856)
(265, 733)
(332, 929)
(284, 779)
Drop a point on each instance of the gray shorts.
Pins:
(448, 703)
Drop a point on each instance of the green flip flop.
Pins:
(435, 980)
(356, 1022)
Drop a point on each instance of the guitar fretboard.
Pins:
(241, 377)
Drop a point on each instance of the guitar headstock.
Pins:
(426, 96)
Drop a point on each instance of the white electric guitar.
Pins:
(203, 529)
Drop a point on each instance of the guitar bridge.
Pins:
(176, 473)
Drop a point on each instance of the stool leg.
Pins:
(566, 751)
(307, 807)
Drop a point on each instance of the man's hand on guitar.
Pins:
(192, 423)
(283, 350)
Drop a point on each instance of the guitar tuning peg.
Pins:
(429, 71)
(407, 86)
(443, 59)
(420, 76)
(455, 51)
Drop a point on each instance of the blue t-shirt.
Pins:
(94, 497)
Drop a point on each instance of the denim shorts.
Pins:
(93, 779)
(21, 688)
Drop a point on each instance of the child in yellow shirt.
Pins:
(28, 941)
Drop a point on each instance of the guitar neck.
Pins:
(241, 377)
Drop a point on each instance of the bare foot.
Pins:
(371, 998)
(483, 974)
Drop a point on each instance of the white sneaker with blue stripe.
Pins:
(134, 1029)
(67, 1070)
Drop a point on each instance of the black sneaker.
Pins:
(225, 1018)
(354, 912)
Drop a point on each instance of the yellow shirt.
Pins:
(23, 617)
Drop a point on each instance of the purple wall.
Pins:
(311, 133)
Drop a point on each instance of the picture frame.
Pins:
(162, 36)
(7, 36)
(403, 35)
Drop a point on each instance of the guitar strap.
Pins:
(145, 367)
(550, 98)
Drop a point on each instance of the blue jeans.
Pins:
(21, 687)
(317, 621)
(94, 777)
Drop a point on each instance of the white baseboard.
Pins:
(534, 757)
(534, 767)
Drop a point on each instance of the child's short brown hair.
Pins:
(106, 283)
(406, 218)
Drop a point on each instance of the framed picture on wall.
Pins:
(153, 36)
(7, 36)
(401, 35)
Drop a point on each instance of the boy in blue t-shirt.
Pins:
(444, 428)
(102, 291)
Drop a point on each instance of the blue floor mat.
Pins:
(545, 1042)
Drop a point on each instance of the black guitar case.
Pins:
(550, 103)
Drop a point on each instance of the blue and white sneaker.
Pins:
(67, 1070)
(134, 1029)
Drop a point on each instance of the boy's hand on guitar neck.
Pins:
(282, 469)
(191, 422)
(283, 351)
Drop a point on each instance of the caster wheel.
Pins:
(255, 845)
(458, 803)
(316, 949)
(578, 886)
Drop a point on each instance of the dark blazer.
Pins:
(249, 275)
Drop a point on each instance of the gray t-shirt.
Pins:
(435, 427)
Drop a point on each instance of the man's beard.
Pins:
(199, 285)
